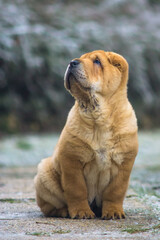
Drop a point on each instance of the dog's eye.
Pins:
(96, 61)
(117, 65)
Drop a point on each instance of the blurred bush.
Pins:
(38, 39)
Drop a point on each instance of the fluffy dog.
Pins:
(88, 173)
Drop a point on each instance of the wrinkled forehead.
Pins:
(93, 55)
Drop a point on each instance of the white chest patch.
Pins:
(97, 175)
(103, 161)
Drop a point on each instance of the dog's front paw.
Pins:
(112, 211)
(81, 213)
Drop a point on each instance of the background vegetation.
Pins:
(39, 38)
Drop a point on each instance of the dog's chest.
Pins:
(103, 166)
(102, 159)
(97, 172)
(100, 146)
(97, 177)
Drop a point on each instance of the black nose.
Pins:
(74, 63)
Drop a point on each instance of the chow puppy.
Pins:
(89, 171)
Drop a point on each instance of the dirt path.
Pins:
(20, 218)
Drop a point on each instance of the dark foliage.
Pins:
(38, 39)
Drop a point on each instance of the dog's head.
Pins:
(96, 73)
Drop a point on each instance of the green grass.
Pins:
(135, 229)
(24, 145)
(141, 191)
(140, 228)
(39, 234)
(157, 227)
(12, 200)
(155, 168)
(60, 231)
(131, 195)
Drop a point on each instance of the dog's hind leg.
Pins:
(49, 193)
(50, 210)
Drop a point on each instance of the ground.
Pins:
(20, 218)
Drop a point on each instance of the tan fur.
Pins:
(94, 156)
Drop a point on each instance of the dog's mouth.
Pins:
(70, 79)
(76, 83)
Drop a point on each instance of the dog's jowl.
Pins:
(89, 171)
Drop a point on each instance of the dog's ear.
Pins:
(118, 61)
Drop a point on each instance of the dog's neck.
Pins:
(89, 104)
(96, 109)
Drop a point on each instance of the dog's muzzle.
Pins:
(70, 72)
